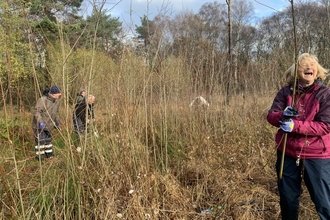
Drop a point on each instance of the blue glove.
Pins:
(287, 125)
(290, 112)
(42, 125)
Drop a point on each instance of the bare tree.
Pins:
(230, 52)
(242, 16)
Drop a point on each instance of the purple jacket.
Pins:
(310, 137)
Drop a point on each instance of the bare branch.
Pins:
(266, 6)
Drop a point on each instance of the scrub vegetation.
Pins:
(155, 157)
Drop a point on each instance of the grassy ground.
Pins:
(149, 162)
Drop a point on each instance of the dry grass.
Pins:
(150, 162)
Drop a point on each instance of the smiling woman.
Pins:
(302, 112)
(308, 70)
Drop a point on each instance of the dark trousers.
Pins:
(43, 143)
(79, 126)
(316, 175)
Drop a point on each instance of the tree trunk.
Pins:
(230, 53)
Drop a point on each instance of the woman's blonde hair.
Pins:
(91, 99)
(290, 73)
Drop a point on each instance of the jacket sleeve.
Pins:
(275, 114)
(80, 110)
(57, 120)
(39, 109)
(91, 110)
(312, 128)
(320, 125)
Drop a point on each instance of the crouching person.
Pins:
(45, 119)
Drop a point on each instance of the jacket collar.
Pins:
(51, 98)
(308, 89)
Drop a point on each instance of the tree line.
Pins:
(224, 47)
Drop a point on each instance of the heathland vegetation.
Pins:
(155, 157)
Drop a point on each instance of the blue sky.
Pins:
(130, 11)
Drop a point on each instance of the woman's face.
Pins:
(307, 71)
(91, 99)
